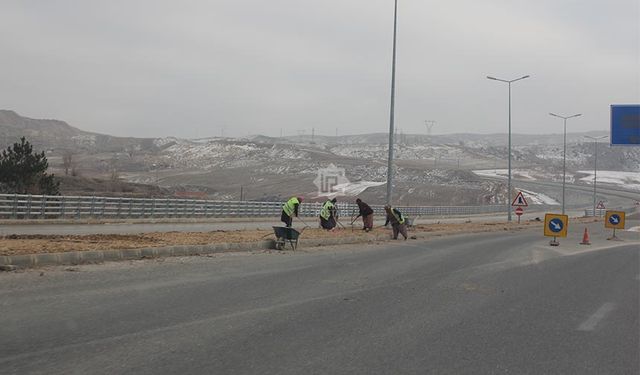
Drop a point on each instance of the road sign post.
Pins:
(614, 220)
(555, 225)
(519, 211)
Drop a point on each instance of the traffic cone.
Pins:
(585, 238)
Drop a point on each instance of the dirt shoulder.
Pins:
(37, 244)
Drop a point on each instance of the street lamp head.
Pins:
(493, 78)
(518, 79)
(576, 115)
(553, 114)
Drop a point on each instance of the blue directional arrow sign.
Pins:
(556, 225)
(614, 219)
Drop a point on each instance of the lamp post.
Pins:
(509, 178)
(595, 166)
(391, 111)
(564, 154)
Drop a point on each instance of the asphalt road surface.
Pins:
(492, 303)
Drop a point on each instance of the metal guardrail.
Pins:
(15, 206)
(600, 212)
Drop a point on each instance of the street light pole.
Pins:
(509, 82)
(391, 111)
(595, 166)
(564, 155)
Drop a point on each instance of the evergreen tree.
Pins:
(23, 172)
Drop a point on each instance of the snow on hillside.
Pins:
(538, 198)
(629, 180)
(402, 152)
(523, 174)
(218, 154)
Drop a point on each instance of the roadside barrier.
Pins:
(17, 206)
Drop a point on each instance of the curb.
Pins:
(99, 256)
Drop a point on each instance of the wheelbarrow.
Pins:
(286, 234)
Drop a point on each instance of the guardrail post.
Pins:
(78, 208)
(104, 206)
(43, 207)
(130, 207)
(28, 213)
(14, 207)
(92, 208)
(153, 208)
(119, 207)
(63, 205)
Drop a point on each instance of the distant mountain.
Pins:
(55, 135)
(470, 139)
(429, 169)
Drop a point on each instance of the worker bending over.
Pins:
(367, 215)
(328, 214)
(394, 216)
(289, 209)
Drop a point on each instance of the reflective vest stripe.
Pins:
(325, 212)
(400, 219)
(290, 207)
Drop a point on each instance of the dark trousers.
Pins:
(399, 229)
(328, 224)
(288, 220)
(367, 221)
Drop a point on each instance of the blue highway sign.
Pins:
(625, 124)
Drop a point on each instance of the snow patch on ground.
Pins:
(504, 173)
(539, 198)
(629, 180)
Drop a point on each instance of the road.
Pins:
(581, 194)
(472, 304)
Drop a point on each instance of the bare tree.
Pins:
(67, 161)
(113, 169)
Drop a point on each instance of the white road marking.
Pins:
(601, 313)
(633, 229)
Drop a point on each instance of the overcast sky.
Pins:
(192, 68)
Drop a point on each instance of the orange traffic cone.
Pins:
(585, 238)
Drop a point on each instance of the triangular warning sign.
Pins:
(600, 205)
(520, 201)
